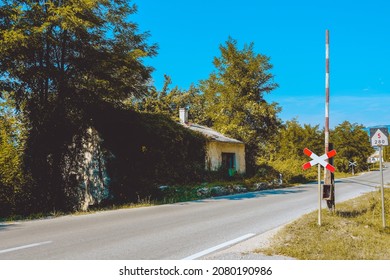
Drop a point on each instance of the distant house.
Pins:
(374, 157)
(221, 151)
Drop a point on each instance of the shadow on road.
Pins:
(360, 182)
(5, 226)
(251, 195)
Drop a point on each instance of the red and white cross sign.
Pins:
(319, 160)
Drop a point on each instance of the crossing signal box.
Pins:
(328, 190)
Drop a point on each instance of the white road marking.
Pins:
(220, 246)
(24, 247)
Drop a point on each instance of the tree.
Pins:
(11, 148)
(57, 58)
(234, 98)
(168, 101)
(352, 143)
(285, 153)
(293, 138)
(386, 153)
(159, 102)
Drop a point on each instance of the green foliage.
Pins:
(234, 98)
(56, 59)
(285, 153)
(293, 138)
(168, 101)
(291, 170)
(352, 144)
(145, 150)
(386, 153)
(155, 101)
(11, 148)
(71, 49)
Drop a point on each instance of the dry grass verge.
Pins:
(354, 232)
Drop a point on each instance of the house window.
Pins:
(229, 163)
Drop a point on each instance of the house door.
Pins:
(229, 163)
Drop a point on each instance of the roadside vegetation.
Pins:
(353, 232)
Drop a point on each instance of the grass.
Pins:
(344, 174)
(353, 232)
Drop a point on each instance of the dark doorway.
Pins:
(229, 163)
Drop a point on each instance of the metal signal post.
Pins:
(382, 188)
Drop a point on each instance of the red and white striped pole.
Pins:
(327, 175)
(327, 92)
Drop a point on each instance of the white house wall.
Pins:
(214, 155)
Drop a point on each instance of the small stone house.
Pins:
(221, 151)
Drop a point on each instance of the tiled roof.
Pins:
(211, 133)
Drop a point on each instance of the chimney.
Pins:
(183, 115)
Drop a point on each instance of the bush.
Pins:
(292, 172)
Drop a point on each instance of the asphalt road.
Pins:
(187, 230)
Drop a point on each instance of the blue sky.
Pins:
(292, 34)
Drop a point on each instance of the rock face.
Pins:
(95, 179)
(86, 165)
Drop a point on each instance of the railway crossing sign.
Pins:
(319, 160)
(379, 136)
(352, 164)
